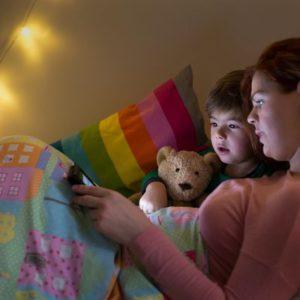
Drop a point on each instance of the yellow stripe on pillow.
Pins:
(120, 153)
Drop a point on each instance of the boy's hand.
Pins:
(154, 198)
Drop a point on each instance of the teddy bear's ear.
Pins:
(163, 153)
(213, 160)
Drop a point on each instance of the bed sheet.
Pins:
(49, 248)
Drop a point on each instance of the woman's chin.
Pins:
(267, 152)
(271, 154)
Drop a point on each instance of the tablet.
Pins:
(77, 176)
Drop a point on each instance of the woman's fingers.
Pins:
(94, 214)
(96, 191)
(93, 196)
(87, 201)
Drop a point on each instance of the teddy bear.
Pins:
(186, 174)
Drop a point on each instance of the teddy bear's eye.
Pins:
(197, 173)
(177, 170)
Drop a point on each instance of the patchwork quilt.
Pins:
(48, 247)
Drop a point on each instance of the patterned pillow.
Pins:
(120, 149)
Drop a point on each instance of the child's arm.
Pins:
(154, 193)
(154, 197)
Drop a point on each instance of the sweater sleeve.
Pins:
(152, 176)
(175, 274)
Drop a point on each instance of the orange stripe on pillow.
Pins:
(138, 137)
(120, 153)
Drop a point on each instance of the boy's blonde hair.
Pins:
(226, 96)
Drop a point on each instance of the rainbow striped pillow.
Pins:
(119, 150)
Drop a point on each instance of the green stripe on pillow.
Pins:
(73, 148)
(95, 150)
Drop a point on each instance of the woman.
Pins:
(251, 227)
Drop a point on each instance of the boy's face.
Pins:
(230, 137)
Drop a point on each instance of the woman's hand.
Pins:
(112, 214)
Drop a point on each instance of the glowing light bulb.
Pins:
(25, 32)
(5, 95)
(34, 38)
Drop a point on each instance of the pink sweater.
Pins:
(252, 231)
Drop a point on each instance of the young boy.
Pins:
(232, 138)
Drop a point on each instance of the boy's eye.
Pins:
(213, 124)
(233, 126)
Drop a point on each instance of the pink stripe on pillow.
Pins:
(156, 122)
(182, 123)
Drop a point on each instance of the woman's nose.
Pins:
(251, 119)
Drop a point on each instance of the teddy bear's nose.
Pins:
(185, 186)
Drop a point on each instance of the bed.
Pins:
(48, 247)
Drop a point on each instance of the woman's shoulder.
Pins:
(235, 190)
(233, 196)
(253, 181)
